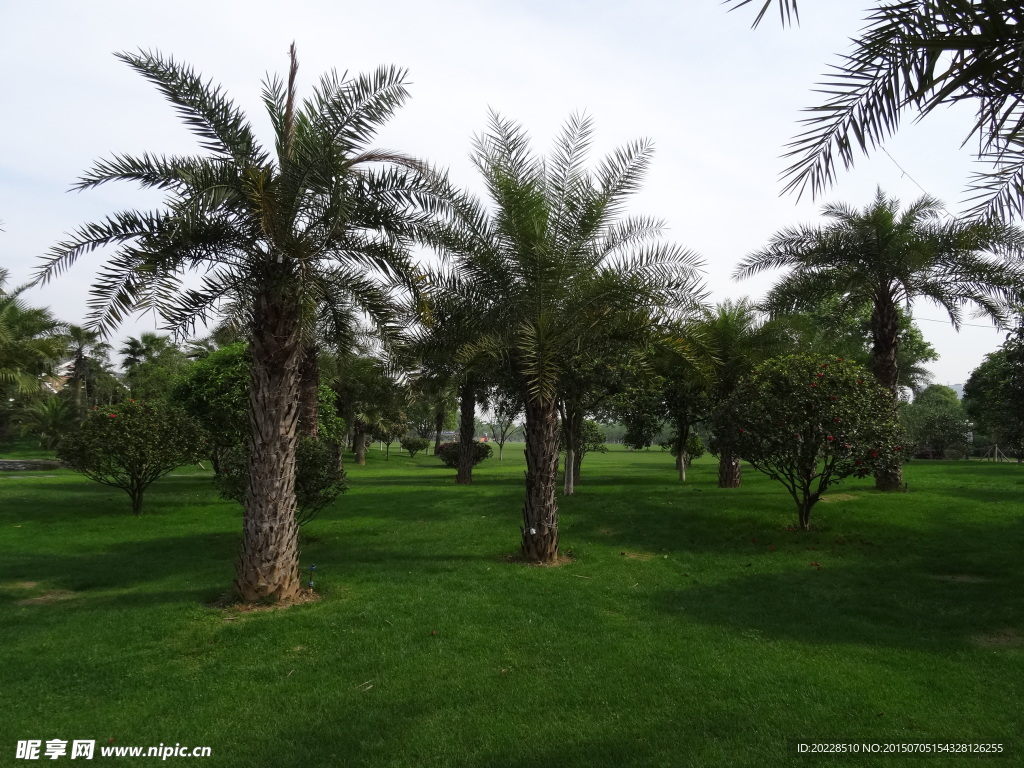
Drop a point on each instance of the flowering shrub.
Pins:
(809, 422)
(130, 445)
(449, 453)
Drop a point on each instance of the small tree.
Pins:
(592, 439)
(130, 445)
(809, 422)
(414, 445)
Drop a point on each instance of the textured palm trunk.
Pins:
(309, 385)
(885, 332)
(540, 511)
(729, 473)
(467, 425)
(268, 567)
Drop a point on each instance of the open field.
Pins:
(690, 628)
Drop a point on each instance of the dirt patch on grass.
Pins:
(961, 578)
(637, 555)
(53, 596)
(838, 497)
(1001, 638)
(607, 531)
(232, 607)
(20, 585)
(516, 558)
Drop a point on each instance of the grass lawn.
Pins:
(690, 629)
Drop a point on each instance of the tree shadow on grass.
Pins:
(926, 601)
(125, 563)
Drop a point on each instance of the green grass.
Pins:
(690, 629)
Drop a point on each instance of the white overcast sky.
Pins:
(718, 99)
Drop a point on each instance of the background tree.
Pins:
(916, 56)
(151, 364)
(505, 410)
(740, 337)
(49, 418)
(552, 259)
(936, 424)
(809, 422)
(90, 376)
(130, 445)
(280, 231)
(994, 396)
(888, 258)
(30, 347)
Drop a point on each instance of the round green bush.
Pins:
(449, 453)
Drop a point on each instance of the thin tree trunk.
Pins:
(467, 425)
(885, 333)
(569, 472)
(577, 462)
(540, 510)
(359, 443)
(438, 428)
(268, 566)
(309, 385)
(729, 473)
(136, 497)
(681, 465)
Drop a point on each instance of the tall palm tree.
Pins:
(739, 337)
(86, 353)
(281, 230)
(914, 56)
(552, 259)
(881, 256)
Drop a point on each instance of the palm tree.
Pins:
(280, 231)
(739, 337)
(146, 347)
(915, 56)
(552, 260)
(86, 354)
(30, 341)
(886, 258)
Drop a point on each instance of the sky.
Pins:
(718, 99)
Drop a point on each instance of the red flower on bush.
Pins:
(874, 454)
(113, 415)
(821, 375)
(830, 438)
(835, 421)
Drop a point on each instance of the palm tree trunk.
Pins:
(885, 332)
(467, 425)
(540, 511)
(268, 567)
(729, 473)
(309, 399)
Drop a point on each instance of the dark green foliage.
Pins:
(809, 422)
(214, 391)
(449, 453)
(130, 445)
(319, 478)
(414, 445)
(592, 439)
(936, 424)
(694, 448)
(994, 396)
(49, 419)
